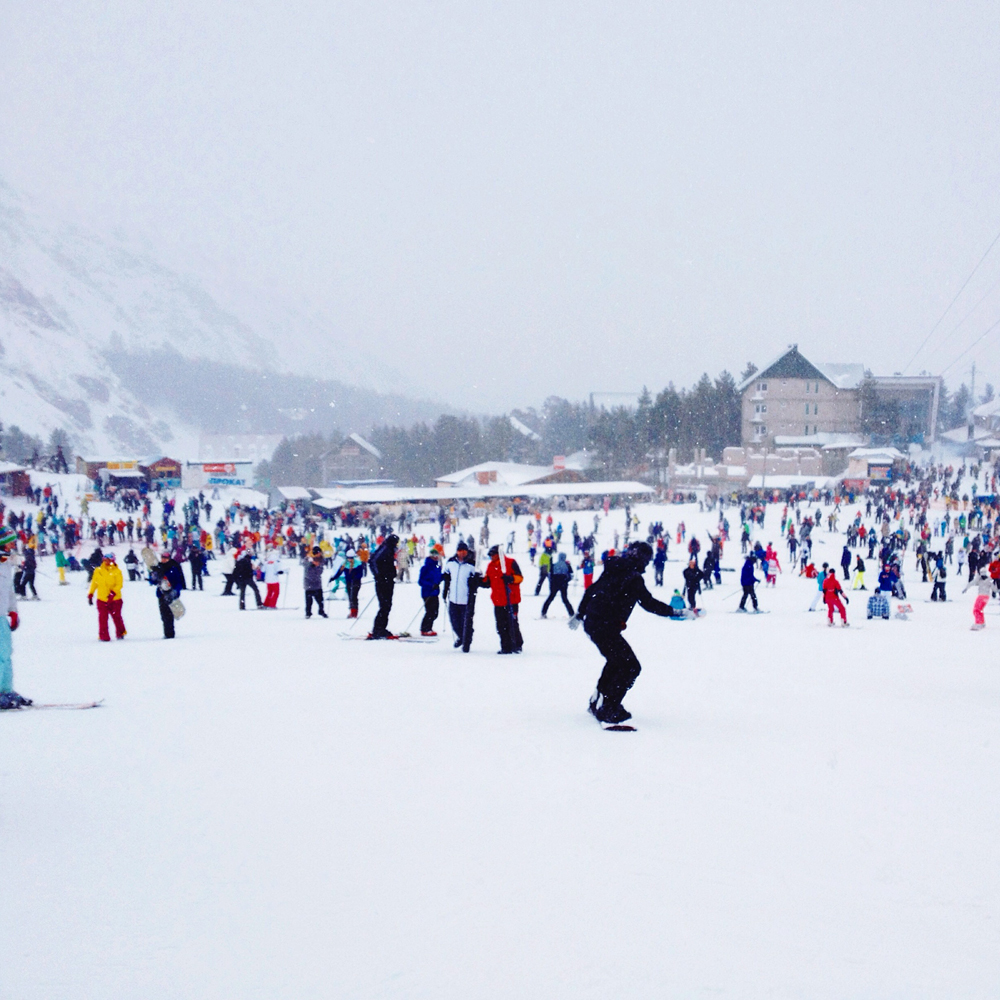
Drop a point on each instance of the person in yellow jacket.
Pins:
(107, 584)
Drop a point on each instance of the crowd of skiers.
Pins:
(246, 547)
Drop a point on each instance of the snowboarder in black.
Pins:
(383, 568)
(168, 578)
(604, 611)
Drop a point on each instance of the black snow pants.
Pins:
(252, 584)
(622, 666)
(166, 616)
(748, 592)
(456, 615)
(317, 596)
(431, 605)
(557, 586)
(383, 591)
(508, 629)
(353, 589)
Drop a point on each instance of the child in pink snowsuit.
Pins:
(983, 583)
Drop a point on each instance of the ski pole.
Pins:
(406, 630)
(361, 614)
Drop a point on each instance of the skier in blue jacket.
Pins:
(747, 580)
(430, 588)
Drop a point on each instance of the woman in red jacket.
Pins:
(504, 582)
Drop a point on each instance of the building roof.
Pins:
(508, 473)
(844, 376)
(792, 364)
(367, 445)
(891, 453)
(824, 439)
(331, 498)
(789, 364)
(7, 467)
(523, 428)
(990, 409)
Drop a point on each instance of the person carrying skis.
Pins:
(382, 564)
(107, 584)
(832, 592)
(430, 587)
(938, 575)
(604, 612)
(747, 581)
(559, 577)
(503, 578)
(9, 621)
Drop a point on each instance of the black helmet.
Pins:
(640, 553)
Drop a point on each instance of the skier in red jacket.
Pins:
(504, 584)
(832, 592)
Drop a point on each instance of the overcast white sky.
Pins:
(512, 200)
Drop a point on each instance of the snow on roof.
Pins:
(367, 445)
(844, 376)
(784, 482)
(507, 473)
(791, 363)
(6, 467)
(524, 429)
(990, 409)
(824, 439)
(295, 493)
(891, 453)
(417, 494)
(960, 434)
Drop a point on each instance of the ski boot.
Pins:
(12, 700)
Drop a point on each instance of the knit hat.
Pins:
(461, 547)
(7, 535)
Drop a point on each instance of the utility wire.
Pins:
(953, 301)
(958, 326)
(978, 339)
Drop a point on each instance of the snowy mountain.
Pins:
(80, 317)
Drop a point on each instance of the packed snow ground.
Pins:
(262, 810)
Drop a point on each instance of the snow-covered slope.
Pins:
(65, 297)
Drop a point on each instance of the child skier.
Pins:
(983, 583)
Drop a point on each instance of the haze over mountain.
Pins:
(129, 356)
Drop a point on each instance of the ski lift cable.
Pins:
(965, 283)
(989, 291)
(975, 343)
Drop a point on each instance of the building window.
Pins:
(814, 428)
(760, 408)
(807, 409)
(762, 387)
(815, 409)
(806, 431)
(807, 386)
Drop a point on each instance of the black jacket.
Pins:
(382, 563)
(609, 601)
